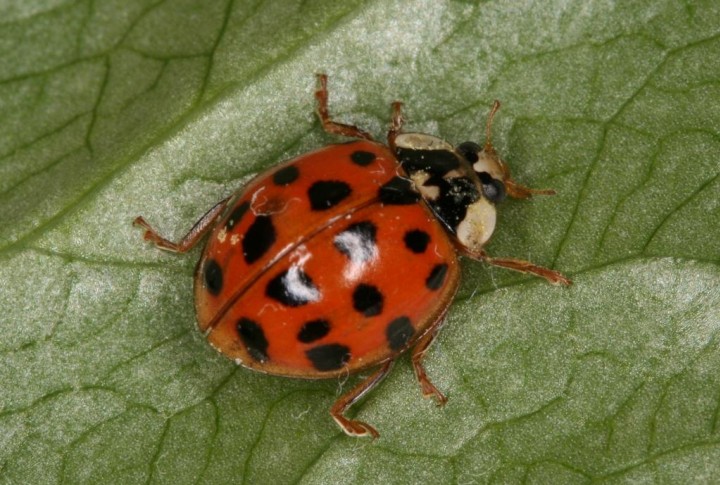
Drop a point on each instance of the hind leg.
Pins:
(350, 426)
(418, 355)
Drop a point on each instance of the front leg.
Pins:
(512, 188)
(552, 276)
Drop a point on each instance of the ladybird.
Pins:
(341, 259)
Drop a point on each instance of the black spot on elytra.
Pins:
(362, 158)
(292, 287)
(399, 332)
(492, 189)
(367, 300)
(434, 162)
(252, 335)
(327, 193)
(416, 240)
(259, 237)
(328, 357)
(398, 191)
(286, 175)
(358, 241)
(236, 215)
(436, 278)
(213, 276)
(313, 330)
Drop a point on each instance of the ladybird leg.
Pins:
(418, 354)
(350, 426)
(396, 125)
(512, 188)
(552, 276)
(200, 228)
(517, 191)
(328, 124)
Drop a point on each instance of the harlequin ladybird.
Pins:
(343, 258)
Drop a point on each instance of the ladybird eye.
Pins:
(493, 189)
(469, 150)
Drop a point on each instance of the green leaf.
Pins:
(113, 109)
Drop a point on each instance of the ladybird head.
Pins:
(491, 171)
(460, 184)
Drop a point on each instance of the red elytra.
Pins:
(343, 258)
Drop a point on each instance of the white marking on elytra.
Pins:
(358, 248)
(362, 252)
(292, 281)
(300, 256)
(234, 239)
(222, 235)
(297, 288)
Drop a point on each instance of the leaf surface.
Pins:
(109, 110)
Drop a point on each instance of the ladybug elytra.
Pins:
(341, 259)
